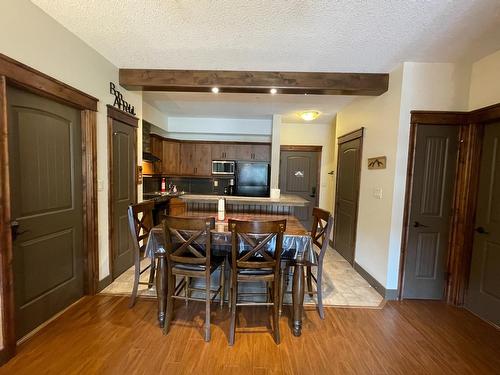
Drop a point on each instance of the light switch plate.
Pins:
(100, 186)
(377, 193)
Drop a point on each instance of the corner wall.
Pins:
(485, 82)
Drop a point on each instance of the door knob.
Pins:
(14, 227)
(481, 230)
(416, 224)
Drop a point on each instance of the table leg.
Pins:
(298, 296)
(161, 287)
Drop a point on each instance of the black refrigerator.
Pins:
(252, 179)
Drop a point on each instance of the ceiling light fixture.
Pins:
(273, 91)
(215, 90)
(309, 115)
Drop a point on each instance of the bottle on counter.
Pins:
(163, 185)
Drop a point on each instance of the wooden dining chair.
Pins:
(322, 226)
(189, 255)
(255, 256)
(140, 220)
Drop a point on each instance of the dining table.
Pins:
(297, 248)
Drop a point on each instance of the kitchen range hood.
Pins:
(148, 156)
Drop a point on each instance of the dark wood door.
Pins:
(261, 153)
(186, 165)
(45, 154)
(170, 157)
(347, 196)
(483, 295)
(203, 160)
(123, 195)
(429, 216)
(299, 176)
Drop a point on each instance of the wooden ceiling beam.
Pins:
(313, 83)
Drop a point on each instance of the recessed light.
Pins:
(309, 115)
(273, 91)
(215, 90)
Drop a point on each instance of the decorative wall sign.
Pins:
(380, 162)
(299, 174)
(119, 102)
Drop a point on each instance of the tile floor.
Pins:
(342, 285)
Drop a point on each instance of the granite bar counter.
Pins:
(285, 204)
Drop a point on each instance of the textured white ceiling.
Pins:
(277, 35)
(179, 104)
(295, 35)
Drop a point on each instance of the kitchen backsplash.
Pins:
(189, 185)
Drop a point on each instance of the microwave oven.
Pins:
(222, 167)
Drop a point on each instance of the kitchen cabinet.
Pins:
(195, 159)
(253, 152)
(223, 151)
(156, 149)
(170, 157)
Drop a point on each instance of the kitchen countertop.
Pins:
(284, 199)
(161, 197)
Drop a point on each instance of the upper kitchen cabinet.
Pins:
(254, 152)
(170, 158)
(223, 151)
(195, 159)
(261, 152)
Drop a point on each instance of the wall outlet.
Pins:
(100, 185)
(377, 193)
(216, 183)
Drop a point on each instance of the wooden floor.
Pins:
(100, 335)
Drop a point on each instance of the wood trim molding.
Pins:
(122, 116)
(464, 194)
(351, 135)
(387, 294)
(7, 277)
(301, 148)
(89, 143)
(32, 80)
(316, 83)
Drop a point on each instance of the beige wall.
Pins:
(412, 86)
(35, 39)
(315, 134)
(485, 82)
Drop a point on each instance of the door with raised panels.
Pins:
(45, 155)
(429, 216)
(298, 175)
(483, 295)
(346, 197)
(123, 195)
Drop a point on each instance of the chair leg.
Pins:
(222, 283)
(207, 306)
(282, 288)
(276, 312)
(170, 302)
(319, 290)
(152, 271)
(137, 276)
(309, 282)
(232, 327)
(186, 289)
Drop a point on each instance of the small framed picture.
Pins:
(380, 162)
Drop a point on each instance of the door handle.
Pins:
(14, 228)
(416, 224)
(481, 230)
(313, 192)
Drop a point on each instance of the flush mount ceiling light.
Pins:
(309, 115)
(215, 90)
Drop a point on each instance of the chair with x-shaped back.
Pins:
(189, 255)
(322, 226)
(255, 256)
(140, 220)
